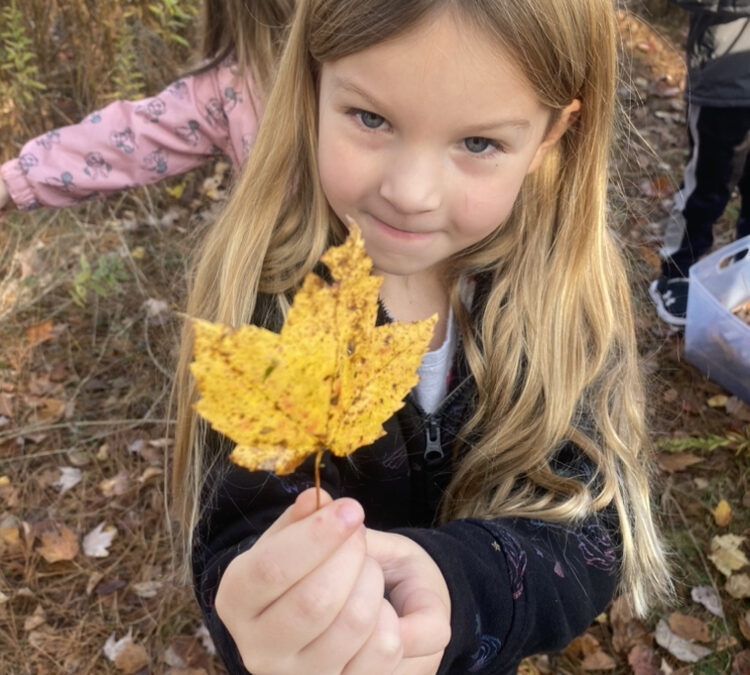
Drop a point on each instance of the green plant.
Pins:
(108, 274)
(737, 441)
(174, 18)
(18, 60)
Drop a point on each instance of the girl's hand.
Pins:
(306, 598)
(4, 195)
(419, 594)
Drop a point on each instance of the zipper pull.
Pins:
(433, 452)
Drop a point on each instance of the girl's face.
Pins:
(425, 141)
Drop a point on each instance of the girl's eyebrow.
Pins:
(345, 84)
(348, 85)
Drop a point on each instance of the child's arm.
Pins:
(132, 143)
(548, 582)
(4, 196)
(729, 8)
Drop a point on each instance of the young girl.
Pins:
(509, 499)
(214, 110)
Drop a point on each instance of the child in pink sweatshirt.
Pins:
(213, 111)
(131, 143)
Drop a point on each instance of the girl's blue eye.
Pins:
(477, 144)
(370, 119)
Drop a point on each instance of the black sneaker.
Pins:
(670, 297)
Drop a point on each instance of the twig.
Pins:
(154, 360)
(42, 428)
(318, 457)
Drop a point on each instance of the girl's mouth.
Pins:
(396, 233)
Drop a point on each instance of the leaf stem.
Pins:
(318, 458)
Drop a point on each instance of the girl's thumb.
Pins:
(303, 506)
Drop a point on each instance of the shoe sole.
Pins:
(661, 310)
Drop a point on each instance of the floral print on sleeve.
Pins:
(133, 143)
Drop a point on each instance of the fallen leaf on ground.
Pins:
(35, 620)
(58, 545)
(718, 401)
(726, 554)
(677, 461)
(51, 409)
(599, 660)
(741, 663)
(147, 589)
(709, 598)
(150, 472)
(41, 332)
(328, 381)
(738, 586)
(117, 485)
(641, 659)
(726, 642)
(738, 408)
(97, 542)
(722, 513)
(127, 656)
(670, 396)
(627, 629)
(69, 478)
(744, 624)
(157, 311)
(689, 627)
(681, 649)
(185, 652)
(93, 582)
(205, 637)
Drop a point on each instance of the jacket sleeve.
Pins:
(728, 8)
(519, 587)
(133, 143)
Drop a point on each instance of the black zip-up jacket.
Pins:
(718, 52)
(518, 587)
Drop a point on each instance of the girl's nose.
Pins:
(412, 183)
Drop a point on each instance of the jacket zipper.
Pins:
(433, 451)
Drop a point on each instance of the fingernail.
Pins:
(349, 513)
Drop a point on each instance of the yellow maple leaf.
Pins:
(328, 381)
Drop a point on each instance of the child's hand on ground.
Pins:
(4, 195)
(307, 598)
(419, 594)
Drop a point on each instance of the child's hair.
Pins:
(252, 31)
(553, 353)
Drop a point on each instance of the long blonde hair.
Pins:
(250, 31)
(553, 353)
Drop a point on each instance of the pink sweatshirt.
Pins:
(132, 143)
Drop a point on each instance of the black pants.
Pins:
(719, 162)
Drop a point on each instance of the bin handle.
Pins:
(724, 258)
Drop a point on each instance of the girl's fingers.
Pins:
(307, 610)
(417, 590)
(354, 623)
(383, 650)
(257, 578)
(304, 505)
(425, 626)
(420, 665)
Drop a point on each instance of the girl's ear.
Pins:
(568, 116)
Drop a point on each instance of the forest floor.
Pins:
(89, 322)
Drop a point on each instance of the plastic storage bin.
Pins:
(716, 341)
